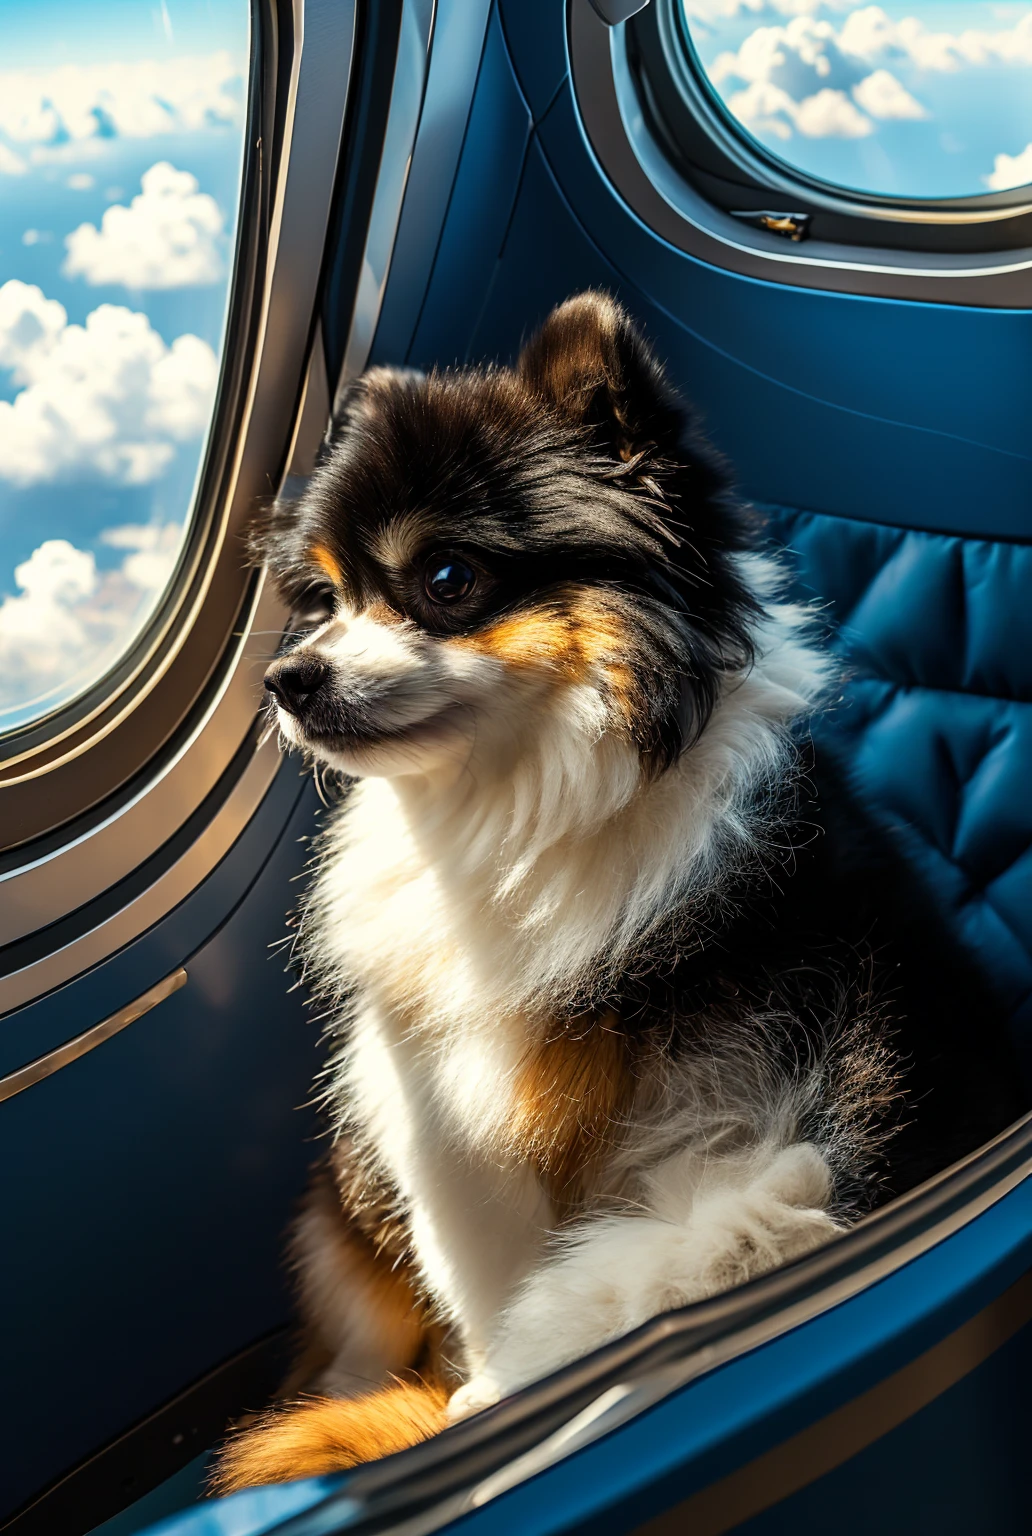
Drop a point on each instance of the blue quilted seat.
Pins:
(936, 716)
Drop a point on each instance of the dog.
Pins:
(631, 1001)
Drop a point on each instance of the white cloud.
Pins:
(726, 10)
(802, 58)
(765, 109)
(10, 163)
(883, 96)
(109, 398)
(870, 33)
(831, 114)
(826, 114)
(170, 236)
(153, 547)
(816, 65)
(710, 12)
(135, 101)
(1011, 171)
(30, 324)
(37, 237)
(68, 620)
(80, 181)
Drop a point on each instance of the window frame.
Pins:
(737, 171)
(880, 247)
(95, 789)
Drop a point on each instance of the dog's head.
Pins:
(482, 552)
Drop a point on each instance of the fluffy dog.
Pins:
(626, 1012)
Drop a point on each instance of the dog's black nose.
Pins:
(293, 679)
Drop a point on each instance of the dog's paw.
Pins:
(482, 1392)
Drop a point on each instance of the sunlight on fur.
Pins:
(624, 990)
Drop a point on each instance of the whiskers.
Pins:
(270, 726)
(319, 779)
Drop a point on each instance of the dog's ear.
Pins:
(590, 364)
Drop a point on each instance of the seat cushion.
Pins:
(935, 716)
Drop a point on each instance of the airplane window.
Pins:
(121, 142)
(914, 99)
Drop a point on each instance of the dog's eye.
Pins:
(448, 579)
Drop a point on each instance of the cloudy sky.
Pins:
(120, 154)
(925, 99)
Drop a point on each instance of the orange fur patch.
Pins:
(327, 563)
(310, 1439)
(572, 1096)
(570, 636)
(339, 1267)
(378, 1234)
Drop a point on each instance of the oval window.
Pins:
(909, 100)
(121, 139)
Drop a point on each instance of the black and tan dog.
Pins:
(624, 1026)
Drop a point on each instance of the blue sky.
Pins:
(51, 32)
(913, 99)
(120, 152)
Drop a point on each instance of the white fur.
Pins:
(477, 1227)
(485, 874)
(618, 1271)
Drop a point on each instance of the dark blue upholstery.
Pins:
(936, 715)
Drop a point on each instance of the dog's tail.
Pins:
(314, 1436)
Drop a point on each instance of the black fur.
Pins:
(833, 957)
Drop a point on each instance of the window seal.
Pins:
(424, 132)
(617, 126)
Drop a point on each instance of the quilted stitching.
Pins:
(936, 714)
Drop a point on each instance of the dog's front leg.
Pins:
(616, 1272)
(476, 1224)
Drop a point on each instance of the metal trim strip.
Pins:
(456, 55)
(408, 93)
(39, 893)
(45, 1066)
(830, 1442)
(172, 887)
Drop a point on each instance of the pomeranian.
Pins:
(631, 1001)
